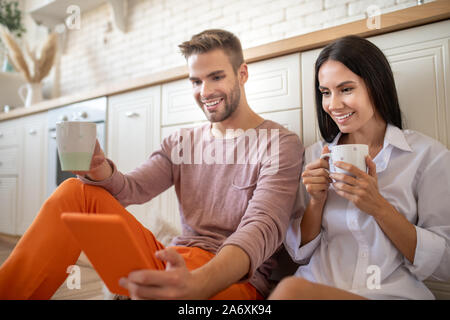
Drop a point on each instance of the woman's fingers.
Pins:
(313, 188)
(319, 163)
(316, 172)
(317, 180)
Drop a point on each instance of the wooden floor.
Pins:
(90, 284)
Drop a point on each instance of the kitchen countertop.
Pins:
(397, 20)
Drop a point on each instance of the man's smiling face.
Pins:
(215, 85)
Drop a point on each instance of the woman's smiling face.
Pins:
(345, 97)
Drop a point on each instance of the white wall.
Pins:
(96, 54)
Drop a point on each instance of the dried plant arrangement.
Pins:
(40, 64)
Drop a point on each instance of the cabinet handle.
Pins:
(1, 163)
(32, 132)
(132, 114)
(1, 134)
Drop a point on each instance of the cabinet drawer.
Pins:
(8, 136)
(8, 160)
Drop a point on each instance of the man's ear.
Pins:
(243, 73)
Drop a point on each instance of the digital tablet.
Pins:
(109, 245)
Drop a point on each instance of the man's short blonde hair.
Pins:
(212, 39)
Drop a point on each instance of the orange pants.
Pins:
(37, 266)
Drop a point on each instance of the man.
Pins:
(236, 196)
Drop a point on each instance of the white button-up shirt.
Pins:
(353, 253)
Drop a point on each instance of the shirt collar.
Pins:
(394, 136)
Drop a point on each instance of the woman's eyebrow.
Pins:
(344, 83)
(339, 85)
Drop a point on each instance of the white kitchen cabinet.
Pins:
(9, 160)
(22, 171)
(32, 174)
(9, 133)
(420, 62)
(133, 134)
(178, 104)
(274, 84)
(310, 132)
(9, 150)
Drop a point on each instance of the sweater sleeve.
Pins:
(264, 224)
(145, 182)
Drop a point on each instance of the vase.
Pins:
(31, 93)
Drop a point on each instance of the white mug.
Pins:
(76, 144)
(354, 154)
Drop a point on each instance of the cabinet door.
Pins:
(9, 157)
(33, 170)
(9, 133)
(420, 61)
(133, 118)
(311, 131)
(178, 104)
(8, 187)
(274, 84)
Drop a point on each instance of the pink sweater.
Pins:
(227, 196)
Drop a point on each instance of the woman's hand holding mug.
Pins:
(316, 178)
(360, 187)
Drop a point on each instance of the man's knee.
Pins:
(69, 184)
(68, 189)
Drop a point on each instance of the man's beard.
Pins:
(231, 103)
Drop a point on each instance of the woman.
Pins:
(380, 234)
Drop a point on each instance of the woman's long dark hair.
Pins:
(367, 61)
